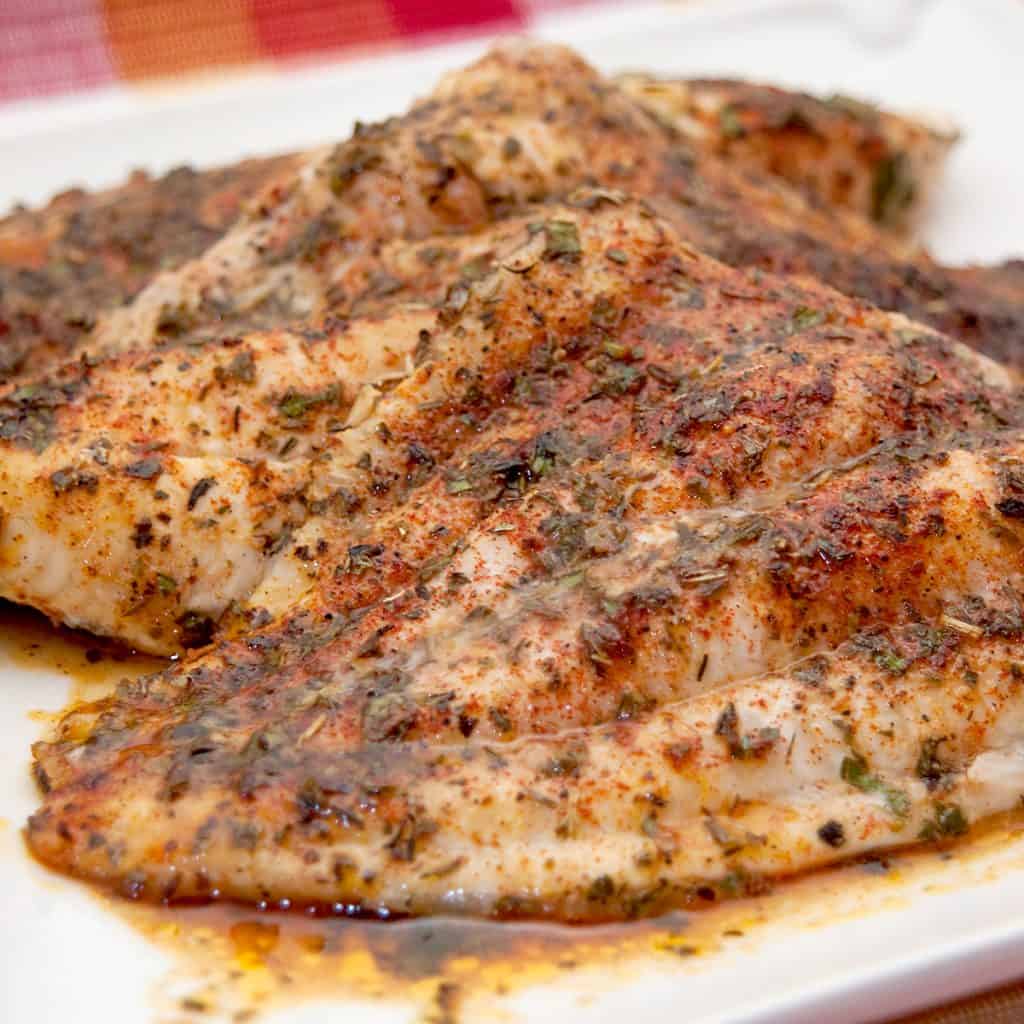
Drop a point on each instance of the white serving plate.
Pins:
(64, 956)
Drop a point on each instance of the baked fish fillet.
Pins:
(525, 124)
(144, 493)
(660, 578)
(61, 267)
(692, 801)
(840, 151)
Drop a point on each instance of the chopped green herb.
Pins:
(388, 716)
(295, 404)
(70, 477)
(893, 663)
(930, 767)
(854, 770)
(199, 488)
(892, 189)
(476, 268)
(562, 239)
(241, 368)
(144, 469)
(949, 820)
(744, 746)
(730, 124)
(631, 705)
(166, 584)
(854, 107)
(562, 765)
(604, 313)
(362, 557)
(500, 720)
(804, 318)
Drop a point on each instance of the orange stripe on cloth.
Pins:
(166, 37)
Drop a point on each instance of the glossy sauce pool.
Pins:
(92, 665)
(236, 963)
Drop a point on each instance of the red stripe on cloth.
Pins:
(49, 46)
(286, 28)
(415, 17)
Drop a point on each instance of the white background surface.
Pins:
(64, 958)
